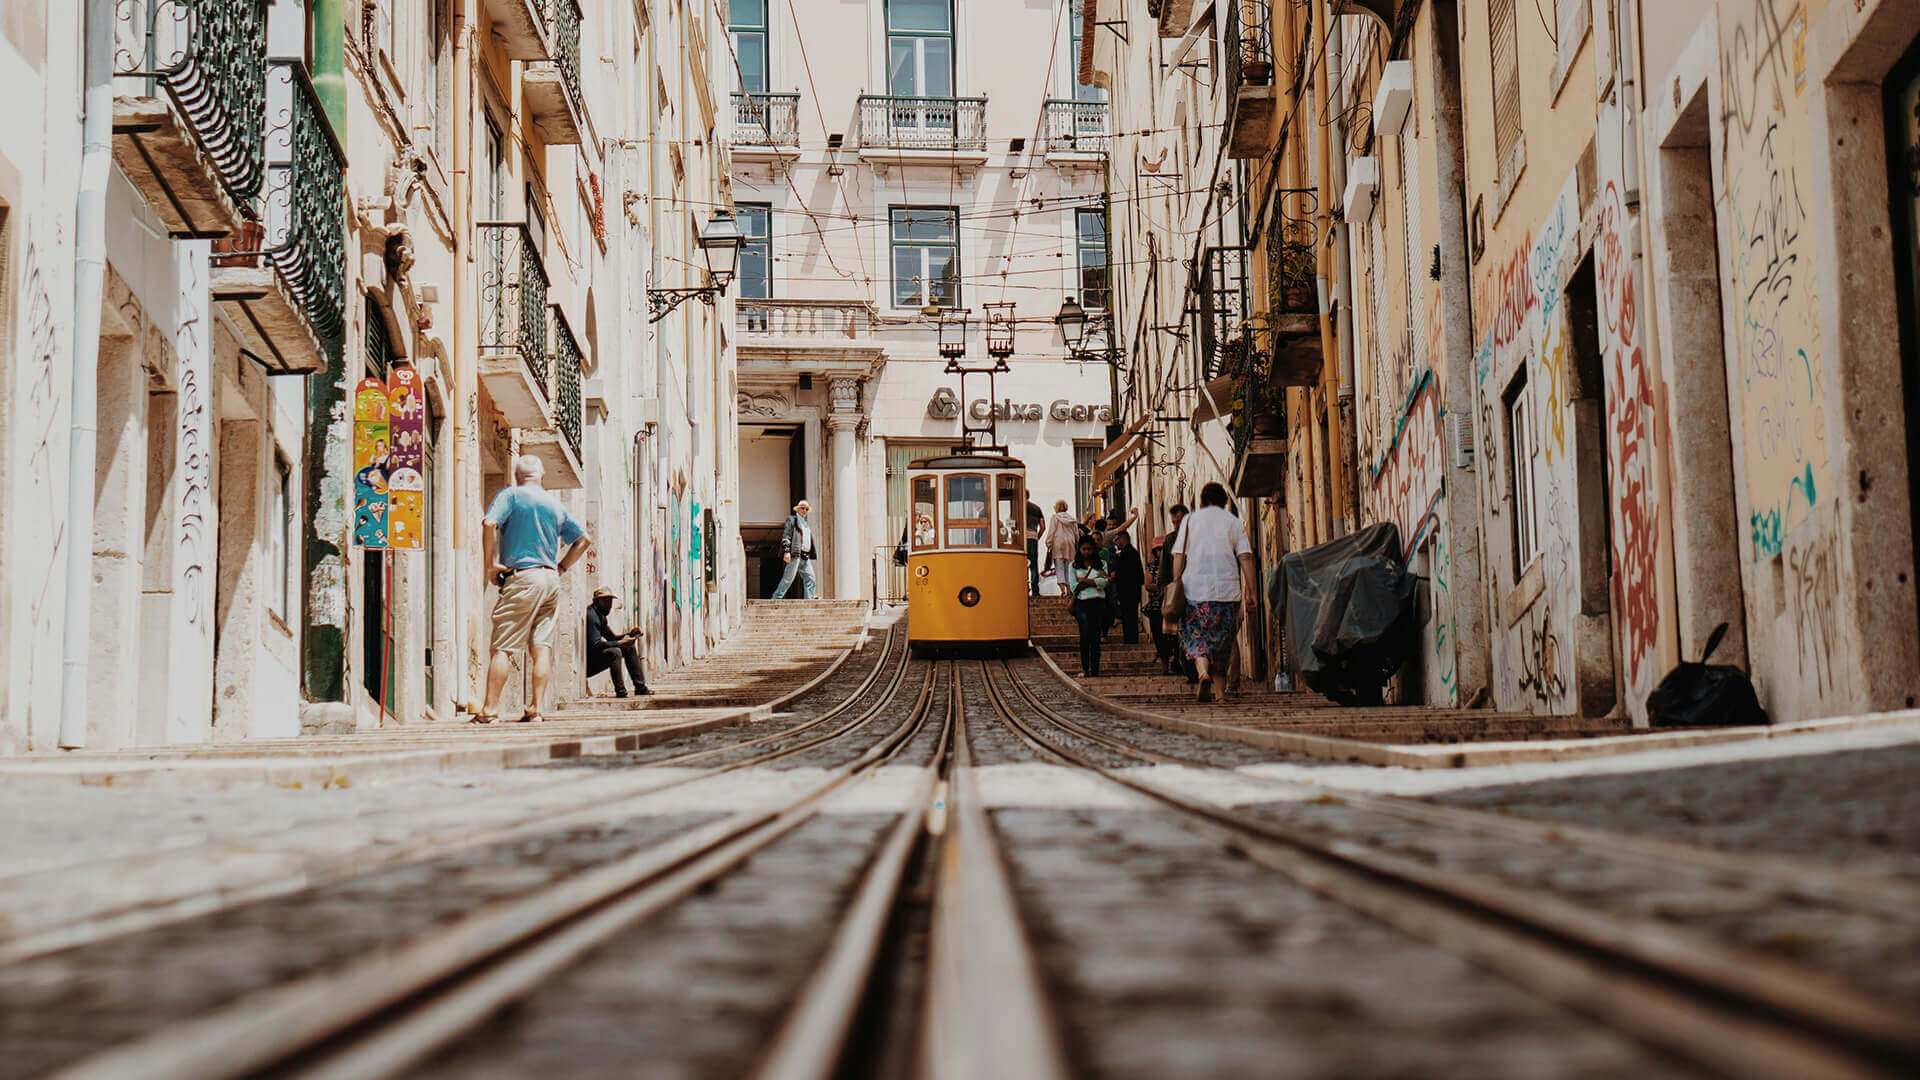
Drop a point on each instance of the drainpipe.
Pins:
(1343, 287)
(460, 369)
(90, 275)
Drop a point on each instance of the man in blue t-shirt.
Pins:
(530, 541)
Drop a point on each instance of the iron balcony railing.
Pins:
(766, 119)
(1249, 45)
(1077, 127)
(566, 380)
(563, 21)
(513, 297)
(923, 123)
(210, 58)
(303, 206)
(1292, 245)
(1223, 310)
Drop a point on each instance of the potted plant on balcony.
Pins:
(1294, 264)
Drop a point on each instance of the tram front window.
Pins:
(925, 505)
(1010, 511)
(967, 522)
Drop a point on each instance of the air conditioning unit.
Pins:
(1459, 434)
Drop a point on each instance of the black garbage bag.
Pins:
(1705, 695)
(1350, 612)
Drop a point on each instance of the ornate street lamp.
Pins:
(1072, 321)
(953, 333)
(720, 243)
(999, 331)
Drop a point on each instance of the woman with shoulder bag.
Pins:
(1087, 584)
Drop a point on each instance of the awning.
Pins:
(1216, 399)
(1120, 453)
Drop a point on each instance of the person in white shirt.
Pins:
(1213, 562)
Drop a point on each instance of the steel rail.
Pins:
(140, 916)
(988, 1016)
(812, 1040)
(1721, 1007)
(387, 1013)
(1882, 896)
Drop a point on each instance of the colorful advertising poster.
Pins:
(406, 453)
(389, 448)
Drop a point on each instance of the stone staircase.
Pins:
(1132, 677)
(780, 647)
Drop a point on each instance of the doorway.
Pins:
(773, 477)
(1902, 90)
(1687, 271)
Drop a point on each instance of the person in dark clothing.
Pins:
(1157, 566)
(1036, 520)
(1087, 584)
(606, 652)
(1177, 513)
(1127, 578)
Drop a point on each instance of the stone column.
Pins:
(845, 538)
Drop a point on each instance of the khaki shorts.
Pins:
(525, 612)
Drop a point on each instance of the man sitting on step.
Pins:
(605, 652)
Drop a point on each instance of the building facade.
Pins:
(280, 200)
(950, 160)
(1612, 317)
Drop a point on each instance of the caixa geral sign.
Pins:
(945, 405)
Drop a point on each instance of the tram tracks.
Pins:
(145, 909)
(383, 1011)
(1725, 1008)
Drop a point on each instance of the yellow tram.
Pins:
(967, 554)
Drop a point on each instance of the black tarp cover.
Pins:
(1350, 613)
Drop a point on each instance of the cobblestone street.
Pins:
(1175, 905)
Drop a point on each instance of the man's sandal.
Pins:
(532, 716)
(483, 718)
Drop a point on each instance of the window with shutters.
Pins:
(1510, 148)
(1571, 20)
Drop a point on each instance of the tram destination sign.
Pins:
(945, 405)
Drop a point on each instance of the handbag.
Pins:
(1173, 606)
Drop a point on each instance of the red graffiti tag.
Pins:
(1630, 437)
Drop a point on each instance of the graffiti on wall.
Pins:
(1542, 675)
(1408, 477)
(44, 404)
(1630, 454)
(1813, 594)
(196, 451)
(1778, 386)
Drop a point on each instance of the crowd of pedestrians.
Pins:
(1192, 586)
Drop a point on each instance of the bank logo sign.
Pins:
(945, 405)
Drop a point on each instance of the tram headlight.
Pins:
(969, 596)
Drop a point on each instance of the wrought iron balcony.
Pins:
(766, 119)
(923, 123)
(566, 381)
(552, 86)
(1249, 60)
(283, 276)
(190, 108)
(554, 436)
(1222, 315)
(304, 205)
(1076, 127)
(1292, 248)
(513, 323)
